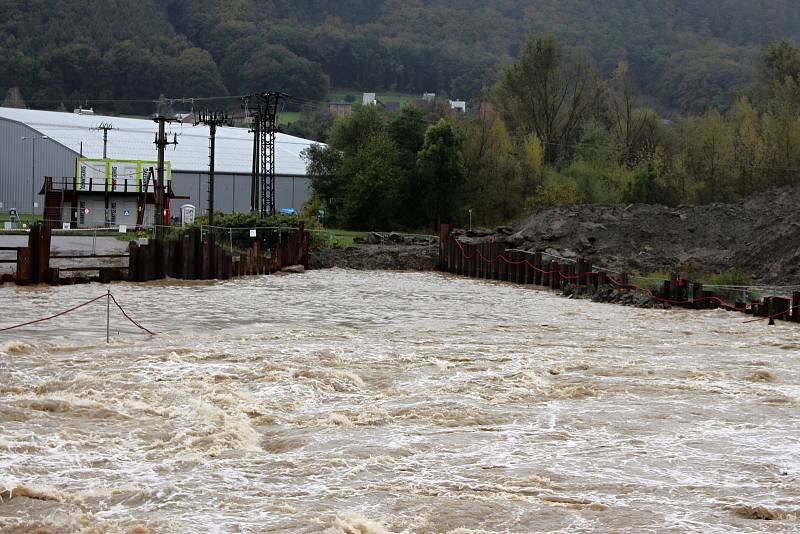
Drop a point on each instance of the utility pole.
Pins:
(254, 204)
(160, 192)
(33, 140)
(105, 126)
(263, 189)
(255, 174)
(212, 120)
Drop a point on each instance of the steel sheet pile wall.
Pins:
(188, 257)
(493, 261)
(191, 258)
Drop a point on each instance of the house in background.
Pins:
(458, 105)
(340, 109)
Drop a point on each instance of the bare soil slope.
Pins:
(760, 236)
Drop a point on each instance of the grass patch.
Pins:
(733, 277)
(337, 238)
(356, 96)
(288, 117)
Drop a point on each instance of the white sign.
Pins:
(123, 228)
(65, 226)
(187, 214)
(253, 233)
(1, 205)
(8, 225)
(35, 204)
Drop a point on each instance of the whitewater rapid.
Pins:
(371, 402)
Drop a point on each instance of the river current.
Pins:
(340, 401)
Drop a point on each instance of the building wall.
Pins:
(232, 192)
(16, 156)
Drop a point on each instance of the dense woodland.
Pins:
(665, 101)
(686, 54)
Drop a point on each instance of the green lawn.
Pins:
(21, 218)
(339, 95)
(337, 238)
(288, 117)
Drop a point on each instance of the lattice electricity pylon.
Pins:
(268, 115)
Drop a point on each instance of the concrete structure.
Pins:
(56, 140)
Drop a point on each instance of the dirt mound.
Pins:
(760, 236)
(377, 257)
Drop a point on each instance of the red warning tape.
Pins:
(723, 303)
(79, 306)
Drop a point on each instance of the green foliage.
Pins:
(542, 94)
(688, 56)
(732, 277)
(606, 146)
(252, 220)
(372, 193)
(440, 163)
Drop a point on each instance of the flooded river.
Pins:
(340, 401)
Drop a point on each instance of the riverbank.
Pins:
(760, 237)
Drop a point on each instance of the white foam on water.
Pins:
(395, 402)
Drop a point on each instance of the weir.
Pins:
(491, 260)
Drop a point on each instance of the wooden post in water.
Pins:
(555, 278)
(545, 273)
(444, 235)
(473, 262)
(537, 271)
(697, 295)
(529, 258)
(796, 307)
(23, 265)
(770, 306)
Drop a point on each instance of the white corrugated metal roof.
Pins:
(133, 139)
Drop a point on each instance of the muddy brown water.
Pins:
(369, 402)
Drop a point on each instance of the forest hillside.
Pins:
(687, 54)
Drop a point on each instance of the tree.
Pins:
(14, 99)
(407, 132)
(779, 71)
(323, 165)
(493, 175)
(781, 144)
(748, 148)
(275, 67)
(541, 94)
(372, 194)
(633, 129)
(440, 163)
(708, 151)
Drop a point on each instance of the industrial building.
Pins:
(37, 144)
